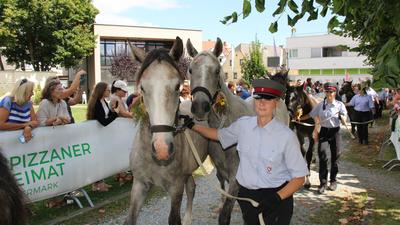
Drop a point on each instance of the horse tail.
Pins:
(12, 200)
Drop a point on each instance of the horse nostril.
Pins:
(171, 148)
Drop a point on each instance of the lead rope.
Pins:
(221, 191)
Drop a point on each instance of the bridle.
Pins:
(175, 128)
(204, 90)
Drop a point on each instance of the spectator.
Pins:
(73, 101)
(53, 109)
(298, 82)
(231, 86)
(98, 108)
(132, 99)
(72, 88)
(363, 107)
(119, 89)
(84, 97)
(242, 93)
(185, 92)
(308, 86)
(16, 109)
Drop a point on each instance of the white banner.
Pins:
(61, 159)
(395, 138)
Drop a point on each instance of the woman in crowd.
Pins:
(185, 92)
(119, 89)
(53, 109)
(72, 88)
(364, 107)
(98, 108)
(16, 109)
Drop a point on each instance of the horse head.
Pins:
(205, 73)
(347, 90)
(159, 80)
(298, 104)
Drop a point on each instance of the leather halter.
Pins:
(207, 92)
(167, 128)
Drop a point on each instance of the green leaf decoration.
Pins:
(234, 17)
(260, 5)
(273, 27)
(246, 8)
(293, 6)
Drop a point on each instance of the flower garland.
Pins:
(139, 112)
(220, 106)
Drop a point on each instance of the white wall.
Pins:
(304, 45)
(8, 78)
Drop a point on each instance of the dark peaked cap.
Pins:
(266, 87)
(329, 86)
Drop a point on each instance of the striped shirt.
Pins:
(17, 113)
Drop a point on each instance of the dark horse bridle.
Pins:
(204, 90)
(175, 128)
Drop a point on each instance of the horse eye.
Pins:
(190, 70)
(141, 88)
(177, 87)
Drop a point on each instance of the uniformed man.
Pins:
(271, 166)
(328, 114)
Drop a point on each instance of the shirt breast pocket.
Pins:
(271, 159)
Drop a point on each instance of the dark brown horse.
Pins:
(13, 210)
(347, 91)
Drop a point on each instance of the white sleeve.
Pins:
(294, 161)
(229, 135)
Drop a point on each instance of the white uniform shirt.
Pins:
(269, 155)
(330, 116)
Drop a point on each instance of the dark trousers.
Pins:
(380, 109)
(332, 136)
(362, 129)
(250, 214)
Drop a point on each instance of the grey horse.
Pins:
(161, 155)
(206, 81)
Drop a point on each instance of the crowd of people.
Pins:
(109, 101)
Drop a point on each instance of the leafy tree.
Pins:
(47, 33)
(37, 94)
(253, 66)
(374, 23)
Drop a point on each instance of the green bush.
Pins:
(37, 94)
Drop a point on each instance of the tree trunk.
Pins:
(1, 64)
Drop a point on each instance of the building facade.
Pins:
(325, 58)
(112, 40)
(232, 58)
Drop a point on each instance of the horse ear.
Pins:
(190, 48)
(218, 48)
(137, 53)
(177, 49)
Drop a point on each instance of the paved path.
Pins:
(352, 179)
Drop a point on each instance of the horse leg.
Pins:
(225, 215)
(190, 188)
(309, 154)
(300, 137)
(176, 193)
(221, 183)
(138, 195)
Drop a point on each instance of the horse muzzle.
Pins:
(164, 154)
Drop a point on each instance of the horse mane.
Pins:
(12, 200)
(160, 54)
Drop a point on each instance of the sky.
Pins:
(205, 15)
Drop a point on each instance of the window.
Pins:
(293, 53)
(273, 61)
(241, 61)
(230, 62)
(315, 52)
(111, 48)
(337, 51)
(235, 75)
